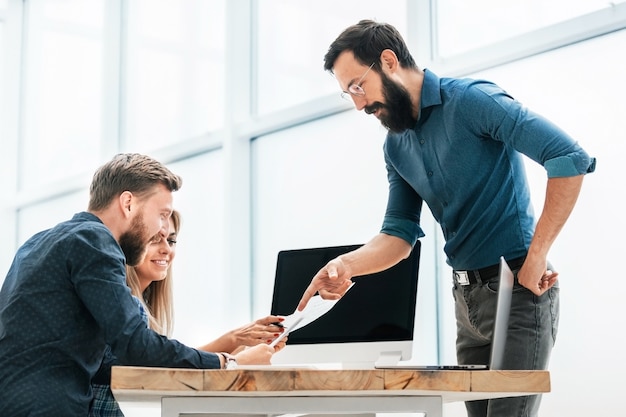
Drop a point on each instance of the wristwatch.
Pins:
(229, 361)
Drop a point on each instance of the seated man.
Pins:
(65, 297)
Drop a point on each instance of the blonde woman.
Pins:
(150, 283)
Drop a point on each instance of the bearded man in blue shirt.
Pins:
(457, 145)
(65, 297)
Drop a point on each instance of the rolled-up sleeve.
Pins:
(507, 120)
(402, 228)
(573, 164)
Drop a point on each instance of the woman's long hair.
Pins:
(157, 298)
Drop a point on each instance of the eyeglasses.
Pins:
(356, 89)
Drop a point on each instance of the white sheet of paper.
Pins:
(315, 309)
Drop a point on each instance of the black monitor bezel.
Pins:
(359, 315)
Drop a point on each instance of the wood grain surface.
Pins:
(294, 381)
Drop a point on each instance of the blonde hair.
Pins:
(157, 298)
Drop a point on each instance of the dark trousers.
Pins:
(532, 330)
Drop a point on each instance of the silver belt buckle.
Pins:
(461, 277)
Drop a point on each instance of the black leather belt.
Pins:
(478, 276)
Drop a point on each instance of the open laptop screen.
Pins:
(379, 307)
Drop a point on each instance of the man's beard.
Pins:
(135, 241)
(397, 113)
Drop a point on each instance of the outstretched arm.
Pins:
(334, 279)
(263, 330)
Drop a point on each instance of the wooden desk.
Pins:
(287, 391)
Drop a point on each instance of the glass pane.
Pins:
(176, 61)
(199, 282)
(72, 12)
(463, 25)
(63, 92)
(293, 38)
(311, 206)
(38, 217)
(3, 98)
(305, 207)
(6, 214)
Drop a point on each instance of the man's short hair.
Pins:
(132, 172)
(367, 40)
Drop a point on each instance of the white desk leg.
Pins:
(431, 406)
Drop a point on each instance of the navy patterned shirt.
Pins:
(63, 300)
(104, 403)
(464, 159)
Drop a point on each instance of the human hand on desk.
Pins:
(256, 355)
(277, 344)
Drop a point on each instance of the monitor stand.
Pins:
(389, 358)
(384, 359)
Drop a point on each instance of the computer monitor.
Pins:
(373, 322)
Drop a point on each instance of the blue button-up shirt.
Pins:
(464, 159)
(64, 299)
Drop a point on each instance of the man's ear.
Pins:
(126, 202)
(389, 61)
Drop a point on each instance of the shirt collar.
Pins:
(431, 90)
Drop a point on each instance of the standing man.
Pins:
(457, 145)
(65, 296)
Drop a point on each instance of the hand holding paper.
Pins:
(315, 309)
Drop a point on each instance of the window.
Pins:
(175, 87)
(38, 217)
(464, 25)
(299, 201)
(3, 54)
(63, 73)
(293, 38)
(200, 286)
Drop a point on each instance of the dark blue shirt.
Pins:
(63, 300)
(464, 159)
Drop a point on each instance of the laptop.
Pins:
(501, 323)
